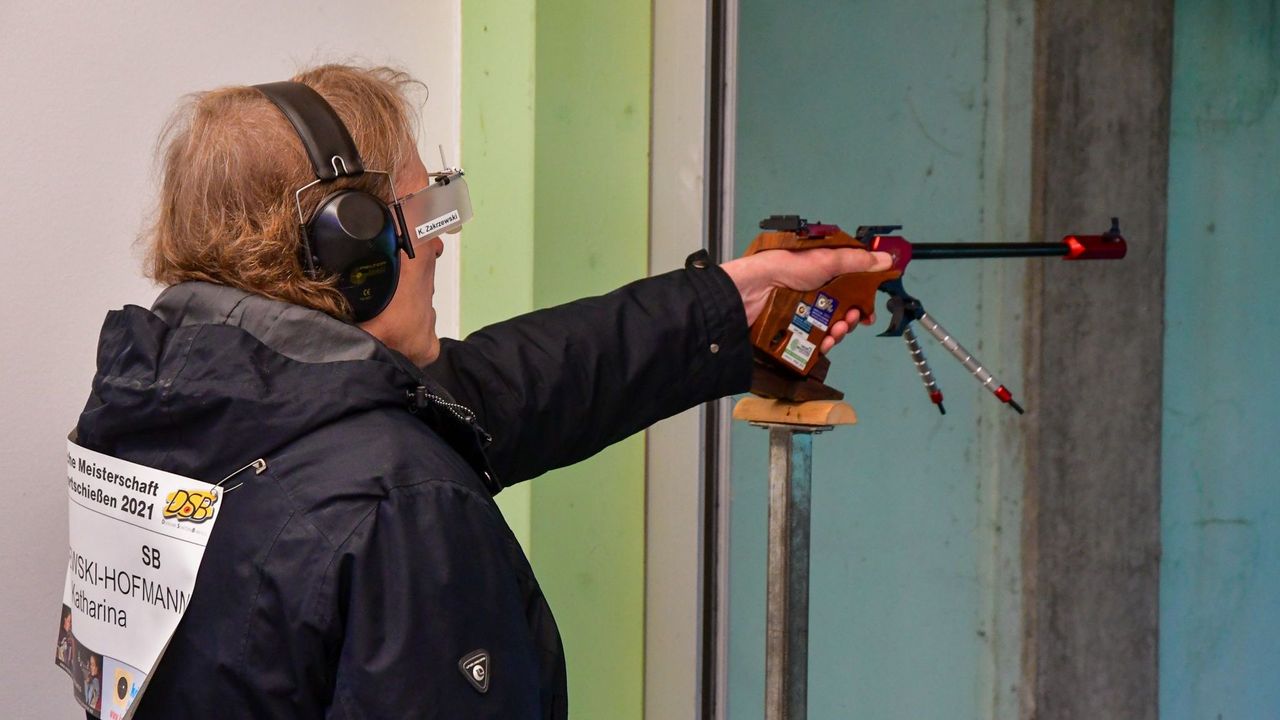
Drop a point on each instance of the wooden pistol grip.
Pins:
(791, 241)
(793, 324)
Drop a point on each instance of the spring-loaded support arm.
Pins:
(922, 367)
(906, 310)
(968, 360)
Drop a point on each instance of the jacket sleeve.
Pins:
(556, 386)
(425, 585)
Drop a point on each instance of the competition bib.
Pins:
(137, 537)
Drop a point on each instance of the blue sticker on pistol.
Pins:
(800, 321)
(824, 308)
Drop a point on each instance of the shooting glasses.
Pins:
(441, 207)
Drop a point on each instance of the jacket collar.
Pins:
(310, 336)
(298, 333)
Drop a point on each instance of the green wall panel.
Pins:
(591, 227)
(498, 45)
(556, 142)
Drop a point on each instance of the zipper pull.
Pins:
(420, 398)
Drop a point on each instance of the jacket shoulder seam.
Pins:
(257, 591)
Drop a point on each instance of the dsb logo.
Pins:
(190, 505)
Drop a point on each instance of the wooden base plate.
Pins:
(781, 412)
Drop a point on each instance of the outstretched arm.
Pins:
(556, 386)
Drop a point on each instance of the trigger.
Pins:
(898, 307)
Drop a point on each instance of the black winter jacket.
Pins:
(351, 577)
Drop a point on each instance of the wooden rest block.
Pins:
(781, 412)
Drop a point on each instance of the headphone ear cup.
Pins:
(352, 235)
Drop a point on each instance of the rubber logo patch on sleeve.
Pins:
(475, 668)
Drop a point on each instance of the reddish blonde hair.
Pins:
(231, 165)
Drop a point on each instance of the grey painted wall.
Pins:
(1091, 535)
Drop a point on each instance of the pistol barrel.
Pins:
(967, 251)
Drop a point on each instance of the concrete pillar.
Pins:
(1091, 535)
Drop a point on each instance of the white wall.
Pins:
(84, 90)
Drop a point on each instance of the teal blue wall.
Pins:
(1220, 577)
(873, 113)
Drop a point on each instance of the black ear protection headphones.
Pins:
(352, 233)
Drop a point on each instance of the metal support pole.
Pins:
(787, 624)
(791, 429)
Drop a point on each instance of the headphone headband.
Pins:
(328, 144)
(352, 234)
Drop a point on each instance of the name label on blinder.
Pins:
(436, 225)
